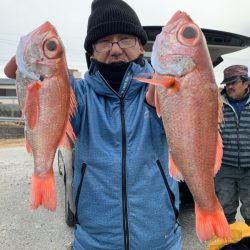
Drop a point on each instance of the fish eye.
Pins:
(189, 32)
(189, 35)
(52, 48)
(51, 45)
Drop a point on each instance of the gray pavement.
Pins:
(23, 229)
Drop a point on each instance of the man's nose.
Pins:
(115, 48)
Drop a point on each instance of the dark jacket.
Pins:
(235, 134)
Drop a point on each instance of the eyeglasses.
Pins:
(105, 45)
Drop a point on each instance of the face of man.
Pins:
(117, 48)
(236, 90)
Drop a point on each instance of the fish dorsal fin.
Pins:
(219, 154)
(31, 108)
(73, 103)
(174, 170)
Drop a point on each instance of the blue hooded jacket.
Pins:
(121, 177)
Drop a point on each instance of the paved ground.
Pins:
(23, 229)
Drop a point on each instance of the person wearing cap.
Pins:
(232, 183)
(124, 196)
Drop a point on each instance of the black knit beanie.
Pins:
(112, 17)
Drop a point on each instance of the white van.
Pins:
(219, 43)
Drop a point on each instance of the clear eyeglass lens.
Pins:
(104, 46)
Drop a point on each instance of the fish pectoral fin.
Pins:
(174, 170)
(219, 154)
(43, 191)
(31, 105)
(211, 223)
(163, 81)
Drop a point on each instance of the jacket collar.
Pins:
(129, 86)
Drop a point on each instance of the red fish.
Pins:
(47, 102)
(188, 101)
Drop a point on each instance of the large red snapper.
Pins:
(187, 99)
(47, 101)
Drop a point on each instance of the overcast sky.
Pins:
(19, 17)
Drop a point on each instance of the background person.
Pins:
(233, 179)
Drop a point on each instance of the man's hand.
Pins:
(10, 68)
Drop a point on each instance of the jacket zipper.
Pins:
(124, 179)
(84, 165)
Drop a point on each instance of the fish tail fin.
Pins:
(174, 171)
(43, 191)
(219, 154)
(210, 223)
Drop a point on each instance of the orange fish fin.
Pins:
(220, 109)
(68, 138)
(219, 154)
(165, 82)
(73, 103)
(31, 105)
(174, 170)
(28, 147)
(43, 191)
(212, 223)
(174, 88)
(157, 105)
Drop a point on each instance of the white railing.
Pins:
(7, 100)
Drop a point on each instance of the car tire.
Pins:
(69, 215)
(60, 162)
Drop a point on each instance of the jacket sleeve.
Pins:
(78, 87)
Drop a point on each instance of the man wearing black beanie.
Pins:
(124, 196)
